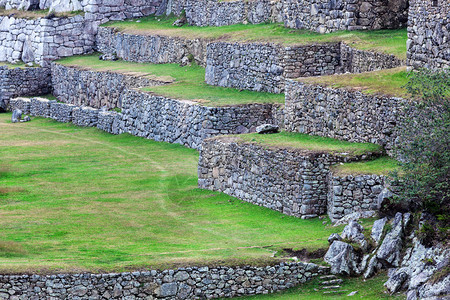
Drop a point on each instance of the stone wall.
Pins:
(291, 181)
(342, 114)
(156, 49)
(264, 67)
(429, 34)
(327, 16)
(16, 82)
(44, 39)
(187, 123)
(183, 283)
(96, 89)
(352, 193)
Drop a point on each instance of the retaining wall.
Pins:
(429, 34)
(16, 82)
(157, 49)
(352, 193)
(291, 181)
(44, 39)
(264, 67)
(95, 89)
(342, 114)
(183, 283)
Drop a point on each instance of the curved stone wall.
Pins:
(16, 82)
(291, 181)
(183, 283)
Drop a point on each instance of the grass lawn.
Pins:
(35, 14)
(385, 41)
(307, 142)
(380, 166)
(189, 81)
(370, 289)
(386, 82)
(79, 199)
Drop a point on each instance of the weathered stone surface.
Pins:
(202, 283)
(342, 258)
(395, 282)
(354, 232)
(26, 119)
(377, 229)
(16, 116)
(334, 237)
(389, 253)
(267, 128)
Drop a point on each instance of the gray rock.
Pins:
(16, 116)
(384, 197)
(267, 128)
(342, 258)
(354, 232)
(377, 229)
(395, 282)
(389, 253)
(168, 289)
(26, 119)
(334, 237)
(27, 52)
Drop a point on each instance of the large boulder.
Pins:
(395, 282)
(267, 128)
(354, 232)
(59, 6)
(342, 258)
(389, 253)
(377, 229)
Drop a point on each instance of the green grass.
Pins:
(308, 142)
(385, 41)
(11, 66)
(386, 82)
(380, 166)
(367, 289)
(189, 81)
(78, 199)
(36, 14)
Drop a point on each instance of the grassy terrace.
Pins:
(35, 14)
(385, 41)
(307, 142)
(189, 82)
(75, 199)
(380, 166)
(387, 82)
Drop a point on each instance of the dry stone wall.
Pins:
(291, 181)
(342, 114)
(429, 34)
(155, 49)
(353, 193)
(187, 123)
(183, 283)
(264, 67)
(92, 88)
(16, 82)
(328, 16)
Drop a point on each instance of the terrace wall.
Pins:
(429, 34)
(352, 193)
(183, 283)
(291, 181)
(92, 88)
(16, 82)
(157, 49)
(342, 114)
(264, 67)
(42, 40)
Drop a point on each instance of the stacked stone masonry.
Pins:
(42, 40)
(429, 34)
(95, 89)
(264, 67)
(291, 181)
(157, 49)
(343, 114)
(183, 283)
(16, 82)
(353, 193)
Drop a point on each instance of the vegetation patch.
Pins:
(380, 166)
(385, 41)
(389, 82)
(189, 81)
(308, 142)
(36, 14)
(91, 201)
